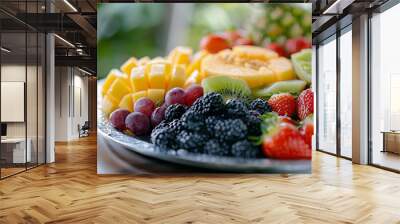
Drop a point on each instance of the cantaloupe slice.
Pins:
(254, 53)
(283, 68)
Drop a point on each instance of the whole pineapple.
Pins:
(279, 22)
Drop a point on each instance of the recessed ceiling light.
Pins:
(84, 71)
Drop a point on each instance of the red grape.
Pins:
(158, 115)
(138, 123)
(192, 93)
(145, 106)
(117, 118)
(175, 95)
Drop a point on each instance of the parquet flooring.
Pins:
(69, 191)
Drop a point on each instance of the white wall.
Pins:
(70, 83)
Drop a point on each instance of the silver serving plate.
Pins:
(208, 162)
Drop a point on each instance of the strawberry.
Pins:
(244, 41)
(305, 104)
(278, 48)
(283, 104)
(214, 43)
(295, 45)
(284, 141)
(286, 119)
(307, 130)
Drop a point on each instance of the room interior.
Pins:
(356, 161)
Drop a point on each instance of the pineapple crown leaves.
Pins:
(269, 123)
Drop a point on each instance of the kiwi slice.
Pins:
(291, 86)
(302, 64)
(228, 87)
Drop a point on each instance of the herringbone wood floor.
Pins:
(69, 191)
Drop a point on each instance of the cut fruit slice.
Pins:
(254, 53)
(126, 102)
(194, 78)
(180, 55)
(290, 86)
(128, 65)
(214, 65)
(228, 87)
(136, 96)
(282, 67)
(143, 61)
(119, 88)
(111, 77)
(196, 62)
(139, 79)
(156, 95)
(109, 104)
(177, 77)
(302, 64)
(158, 74)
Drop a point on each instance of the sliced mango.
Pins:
(128, 65)
(196, 62)
(119, 88)
(143, 61)
(156, 95)
(177, 77)
(137, 95)
(109, 104)
(194, 78)
(111, 77)
(180, 55)
(139, 79)
(126, 102)
(158, 73)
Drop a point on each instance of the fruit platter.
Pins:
(231, 106)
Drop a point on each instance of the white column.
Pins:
(360, 90)
(50, 99)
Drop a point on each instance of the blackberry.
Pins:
(162, 138)
(176, 126)
(163, 124)
(193, 121)
(211, 103)
(261, 106)
(174, 111)
(210, 123)
(254, 113)
(236, 108)
(191, 141)
(230, 130)
(253, 124)
(244, 149)
(214, 147)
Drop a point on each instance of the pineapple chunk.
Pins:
(109, 104)
(158, 73)
(126, 102)
(156, 95)
(196, 62)
(139, 79)
(128, 65)
(136, 96)
(177, 78)
(111, 77)
(254, 53)
(119, 88)
(194, 78)
(282, 67)
(180, 55)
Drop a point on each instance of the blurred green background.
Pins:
(141, 29)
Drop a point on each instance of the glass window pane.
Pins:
(385, 89)
(327, 96)
(346, 94)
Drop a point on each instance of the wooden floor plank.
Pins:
(70, 191)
